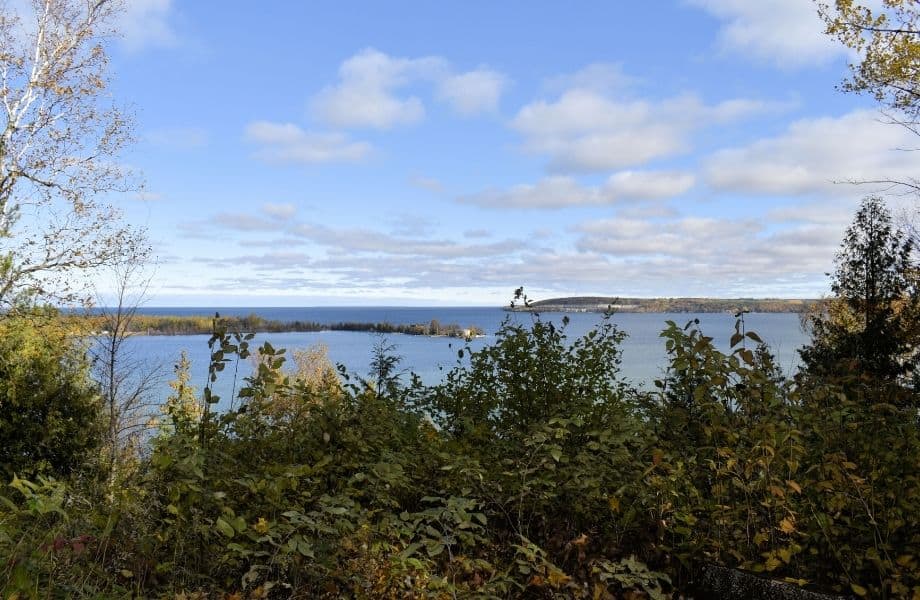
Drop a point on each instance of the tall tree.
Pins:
(870, 326)
(60, 138)
(886, 40)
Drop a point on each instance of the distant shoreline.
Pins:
(667, 305)
(141, 324)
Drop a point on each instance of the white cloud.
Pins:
(376, 90)
(563, 191)
(365, 95)
(649, 256)
(603, 78)
(648, 185)
(586, 131)
(814, 153)
(693, 249)
(288, 143)
(473, 92)
(146, 23)
(141, 23)
(243, 222)
(352, 240)
(787, 33)
(279, 211)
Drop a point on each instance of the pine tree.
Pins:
(869, 328)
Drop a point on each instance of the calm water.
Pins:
(430, 357)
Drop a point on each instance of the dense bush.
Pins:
(566, 483)
(49, 406)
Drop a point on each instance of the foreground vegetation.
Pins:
(532, 470)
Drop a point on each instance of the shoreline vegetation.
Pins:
(200, 324)
(666, 305)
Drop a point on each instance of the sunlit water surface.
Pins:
(644, 354)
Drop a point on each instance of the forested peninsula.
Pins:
(200, 324)
(666, 305)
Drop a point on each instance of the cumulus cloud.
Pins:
(813, 154)
(365, 95)
(473, 92)
(787, 33)
(585, 131)
(288, 143)
(564, 191)
(147, 23)
(603, 78)
(376, 90)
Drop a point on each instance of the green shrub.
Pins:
(49, 407)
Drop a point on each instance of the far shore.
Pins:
(667, 305)
(199, 324)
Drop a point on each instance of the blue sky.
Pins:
(447, 153)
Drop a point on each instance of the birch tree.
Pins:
(60, 140)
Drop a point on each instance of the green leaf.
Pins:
(225, 528)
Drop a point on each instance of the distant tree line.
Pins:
(199, 324)
(667, 305)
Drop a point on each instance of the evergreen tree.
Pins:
(868, 329)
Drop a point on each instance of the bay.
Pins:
(644, 356)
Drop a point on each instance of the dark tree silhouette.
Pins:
(868, 329)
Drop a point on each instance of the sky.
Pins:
(432, 153)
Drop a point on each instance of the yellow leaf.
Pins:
(614, 504)
(794, 486)
(785, 554)
(777, 491)
(557, 578)
(772, 564)
(787, 525)
(858, 589)
(261, 525)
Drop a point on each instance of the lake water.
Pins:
(430, 357)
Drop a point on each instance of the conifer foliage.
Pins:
(868, 327)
